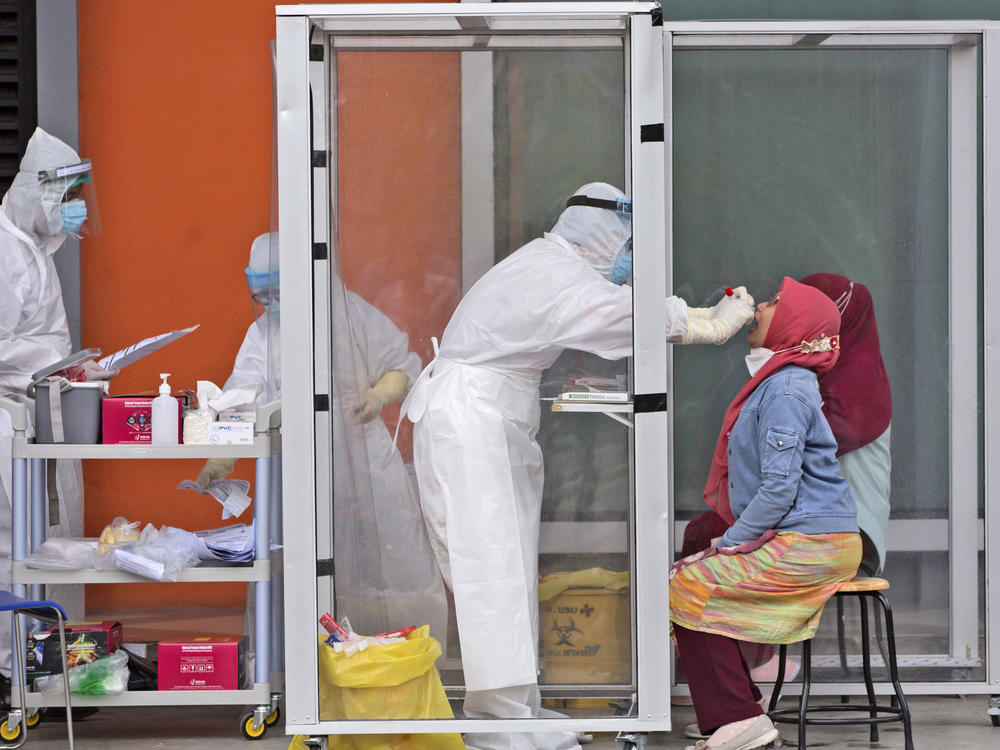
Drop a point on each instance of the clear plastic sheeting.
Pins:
(793, 162)
(424, 200)
(385, 577)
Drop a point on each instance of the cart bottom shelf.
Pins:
(259, 694)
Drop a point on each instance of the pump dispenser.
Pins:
(166, 415)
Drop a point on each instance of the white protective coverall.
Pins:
(479, 467)
(408, 567)
(34, 334)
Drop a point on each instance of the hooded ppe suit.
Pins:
(407, 563)
(479, 467)
(33, 334)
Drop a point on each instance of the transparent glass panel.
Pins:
(793, 162)
(442, 164)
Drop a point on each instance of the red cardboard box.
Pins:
(128, 419)
(202, 664)
(85, 642)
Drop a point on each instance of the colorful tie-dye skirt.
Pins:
(772, 594)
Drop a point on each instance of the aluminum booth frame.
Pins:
(974, 49)
(305, 222)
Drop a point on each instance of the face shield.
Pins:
(69, 200)
(264, 292)
(620, 269)
(621, 206)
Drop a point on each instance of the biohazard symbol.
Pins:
(563, 632)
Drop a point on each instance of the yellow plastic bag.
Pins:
(392, 681)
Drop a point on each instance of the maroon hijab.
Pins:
(856, 397)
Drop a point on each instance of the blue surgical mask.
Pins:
(73, 213)
(623, 266)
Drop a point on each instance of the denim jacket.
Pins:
(783, 470)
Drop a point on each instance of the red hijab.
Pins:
(803, 315)
(856, 397)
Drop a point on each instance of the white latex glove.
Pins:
(710, 312)
(389, 389)
(737, 309)
(728, 317)
(370, 406)
(93, 371)
(700, 313)
(215, 468)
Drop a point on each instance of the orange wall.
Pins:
(400, 191)
(175, 113)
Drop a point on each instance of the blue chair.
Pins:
(16, 733)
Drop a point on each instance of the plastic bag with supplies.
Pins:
(157, 554)
(109, 674)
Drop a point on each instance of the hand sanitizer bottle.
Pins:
(165, 415)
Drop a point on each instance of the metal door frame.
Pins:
(304, 383)
(964, 225)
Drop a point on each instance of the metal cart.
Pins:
(264, 572)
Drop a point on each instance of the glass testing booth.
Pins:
(419, 145)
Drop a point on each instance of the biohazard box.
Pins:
(217, 663)
(129, 419)
(85, 642)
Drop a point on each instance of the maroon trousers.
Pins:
(718, 678)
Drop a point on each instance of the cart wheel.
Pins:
(272, 718)
(247, 730)
(7, 735)
(33, 720)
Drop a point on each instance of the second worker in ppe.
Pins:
(407, 565)
(476, 413)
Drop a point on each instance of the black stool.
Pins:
(863, 589)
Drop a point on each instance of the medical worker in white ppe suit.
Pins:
(49, 200)
(476, 413)
(390, 369)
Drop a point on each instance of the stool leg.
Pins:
(841, 644)
(893, 671)
(880, 641)
(866, 656)
(69, 706)
(776, 690)
(806, 682)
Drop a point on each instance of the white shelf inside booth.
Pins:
(617, 407)
(260, 693)
(23, 448)
(260, 570)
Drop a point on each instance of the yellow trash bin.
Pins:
(391, 681)
(584, 624)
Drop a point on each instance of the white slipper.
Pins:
(759, 733)
(692, 731)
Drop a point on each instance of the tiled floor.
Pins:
(945, 723)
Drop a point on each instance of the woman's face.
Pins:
(762, 321)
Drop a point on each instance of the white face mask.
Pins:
(757, 358)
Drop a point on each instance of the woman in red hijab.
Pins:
(857, 403)
(792, 540)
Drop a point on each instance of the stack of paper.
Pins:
(230, 543)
